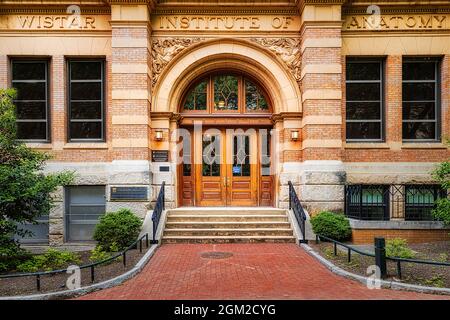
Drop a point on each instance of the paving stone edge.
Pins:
(395, 285)
(98, 286)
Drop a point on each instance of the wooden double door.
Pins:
(229, 167)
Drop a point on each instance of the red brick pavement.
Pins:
(255, 271)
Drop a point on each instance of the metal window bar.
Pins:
(383, 202)
(367, 202)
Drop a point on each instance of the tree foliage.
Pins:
(442, 175)
(25, 190)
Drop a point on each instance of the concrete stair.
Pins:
(227, 225)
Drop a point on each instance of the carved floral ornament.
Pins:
(165, 49)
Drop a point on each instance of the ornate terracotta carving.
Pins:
(164, 50)
(288, 49)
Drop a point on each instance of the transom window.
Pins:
(86, 100)
(226, 92)
(30, 79)
(364, 100)
(420, 99)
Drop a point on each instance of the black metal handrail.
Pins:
(396, 259)
(90, 265)
(157, 211)
(296, 206)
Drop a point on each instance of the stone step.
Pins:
(227, 224)
(226, 218)
(228, 239)
(227, 211)
(228, 232)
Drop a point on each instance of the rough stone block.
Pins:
(315, 207)
(57, 211)
(56, 226)
(285, 177)
(323, 177)
(130, 178)
(322, 193)
(55, 239)
(90, 179)
(138, 208)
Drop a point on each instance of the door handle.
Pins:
(225, 182)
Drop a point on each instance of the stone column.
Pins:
(129, 111)
(321, 175)
(393, 106)
(4, 71)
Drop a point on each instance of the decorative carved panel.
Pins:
(288, 49)
(164, 50)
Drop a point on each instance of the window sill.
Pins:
(39, 145)
(86, 145)
(424, 145)
(366, 145)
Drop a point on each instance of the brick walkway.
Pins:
(255, 271)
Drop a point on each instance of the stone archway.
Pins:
(193, 58)
(179, 63)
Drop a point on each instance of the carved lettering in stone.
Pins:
(288, 49)
(164, 50)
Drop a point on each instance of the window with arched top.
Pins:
(226, 93)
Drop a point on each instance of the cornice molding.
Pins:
(302, 3)
(53, 10)
(397, 10)
(227, 10)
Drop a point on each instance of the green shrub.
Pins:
(99, 254)
(331, 225)
(52, 259)
(399, 248)
(121, 227)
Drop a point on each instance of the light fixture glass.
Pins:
(294, 135)
(158, 135)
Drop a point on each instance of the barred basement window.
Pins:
(364, 100)
(421, 107)
(367, 202)
(30, 79)
(420, 201)
(86, 100)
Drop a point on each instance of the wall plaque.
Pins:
(129, 194)
(160, 155)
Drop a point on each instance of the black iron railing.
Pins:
(383, 202)
(91, 266)
(157, 211)
(296, 206)
(379, 255)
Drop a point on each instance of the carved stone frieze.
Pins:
(164, 50)
(288, 49)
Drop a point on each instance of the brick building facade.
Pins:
(357, 100)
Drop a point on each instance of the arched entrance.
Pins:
(225, 127)
(232, 132)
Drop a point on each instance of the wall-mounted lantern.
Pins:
(294, 135)
(158, 135)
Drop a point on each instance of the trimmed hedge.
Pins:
(117, 230)
(331, 225)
